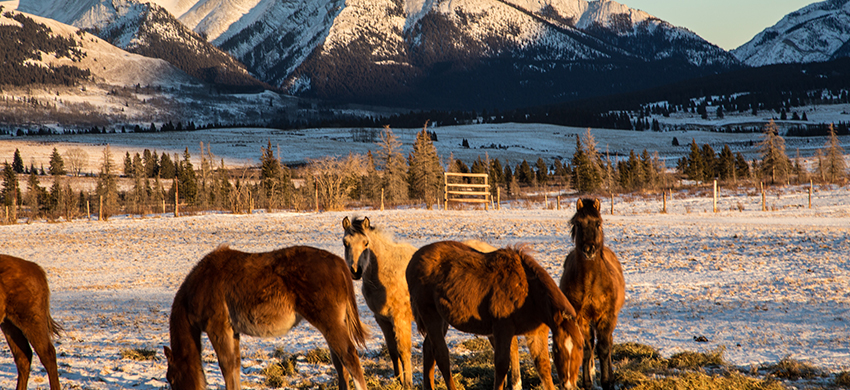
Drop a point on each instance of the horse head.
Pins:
(567, 348)
(180, 376)
(357, 243)
(586, 228)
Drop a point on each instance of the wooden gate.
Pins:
(467, 188)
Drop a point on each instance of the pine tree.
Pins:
(57, 165)
(709, 160)
(426, 173)
(372, 180)
(35, 194)
(726, 164)
(542, 172)
(394, 166)
(188, 183)
(128, 165)
(151, 163)
(511, 185)
(834, 167)
(742, 168)
(167, 169)
(18, 162)
(775, 163)
(695, 168)
(497, 176)
(525, 175)
(587, 173)
(107, 184)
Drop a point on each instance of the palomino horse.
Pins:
(229, 293)
(25, 311)
(499, 294)
(593, 282)
(372, 255)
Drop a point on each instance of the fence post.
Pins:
(88, 209)
(317, 196)
(558, 199)
(382, 199)
(612, 203)
(664, 204)
(100, 209)
(499, 198)
(763, 200)
(715, 196)
(810, 193)
(176, 199)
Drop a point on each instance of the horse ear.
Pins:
(597, 205)
(168, 354)
(346, 223)
(578, 204)
(366, 223)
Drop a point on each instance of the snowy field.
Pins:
(765, 285)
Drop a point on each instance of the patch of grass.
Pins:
(377, 382)
(138, 354)
(694, 360)
(476, 344)
(701, 381)
(788, 368)
(318, 356)
(843, 379)
(276, 373)
(633, 351)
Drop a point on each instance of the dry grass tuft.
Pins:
(138, 354)
(788, 368)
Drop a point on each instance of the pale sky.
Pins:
(725, 23)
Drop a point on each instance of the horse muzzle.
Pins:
(590, 251)
(356, 274)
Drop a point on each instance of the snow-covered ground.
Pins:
(766, 285)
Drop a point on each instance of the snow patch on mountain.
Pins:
(815, 33)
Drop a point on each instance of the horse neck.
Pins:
(553, 300)
(186, 348)
(389, 258)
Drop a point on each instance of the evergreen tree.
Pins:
(709, 160)
(426, 173)
(742, 168)
(542, 172)
(372, 180)
(151, 163)
(497, 176)
(18, 162)
(139, 194)
(695, 168)
(587, 174)
(188, 183)
(128, 165)
(775, 163)
(394, 165)
(726, 164)
(511, 185)
(57, 165)
(525, 175)
(36, 194)
(834, 167)
(107, 184)
(167, 169)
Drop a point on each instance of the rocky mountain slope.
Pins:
(815, 33)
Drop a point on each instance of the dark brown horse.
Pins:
(593, 282)
(499, 294)
(229, 293)
(25, 311)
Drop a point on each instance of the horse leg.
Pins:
(538, 348)
(43, 347)
(226, 345)
(21, 352)
(388, 329)
(588, 371)
(340, 370)
(502, 348)
(604, 346)
(343, 348)
(436, 337)
(403, 328)
(516, 379)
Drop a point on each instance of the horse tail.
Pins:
(356, 329)
(54, 327)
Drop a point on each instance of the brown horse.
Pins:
(499, 294)
(229, 293)
(372, 255)
(593, 282)
(25, 311)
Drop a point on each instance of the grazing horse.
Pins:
(372, 255)
(25, 314)
(499, 294)
(229, 293)
(593, 282)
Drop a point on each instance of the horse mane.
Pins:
(358, 228)
(534, 271)
(587, 210)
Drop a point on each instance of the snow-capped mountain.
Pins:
(815, 33)
(417, 52)
(150, 30)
